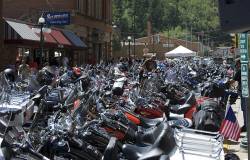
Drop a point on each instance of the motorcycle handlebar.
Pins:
(26, 148)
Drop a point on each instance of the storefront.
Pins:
(101, 47)
(24, 40)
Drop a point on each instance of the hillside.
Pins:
(186, 19)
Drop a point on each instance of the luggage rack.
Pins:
(195, 143)
(16, 107)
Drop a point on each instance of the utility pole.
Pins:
(134, 26)
(191, 36)
(199, 46)
(41, 22)
(153, 43)
(202, 38)
(186, 35)
(149, 30)
(168, 39)
(129, 47)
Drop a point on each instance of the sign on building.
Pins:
(166, 45)
(57, 18)
(243, 45)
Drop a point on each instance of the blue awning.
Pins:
(74, 39)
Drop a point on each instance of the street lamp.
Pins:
(129, 40)
(41, 22)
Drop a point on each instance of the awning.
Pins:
(52, 35)
(74, 39)
(59, 37)
(23, 30)
(22, 33)
(46, 33)
(48, 38)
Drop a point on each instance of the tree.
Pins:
(176, 16)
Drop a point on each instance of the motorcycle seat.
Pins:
(148, 123)
(180, 109)
(189, 98)
(163, 145)
(111, 150)
(149, 136)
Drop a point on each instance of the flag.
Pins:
(230, 127)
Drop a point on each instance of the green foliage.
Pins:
(177, 32)
(175, 16)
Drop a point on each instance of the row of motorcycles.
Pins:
(109, 112)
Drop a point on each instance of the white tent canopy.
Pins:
(180, 52)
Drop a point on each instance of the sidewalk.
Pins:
(242, 153)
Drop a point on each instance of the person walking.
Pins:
(149, 65)
(24, 70)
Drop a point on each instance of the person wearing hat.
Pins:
(150, 64)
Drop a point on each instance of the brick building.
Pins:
(90, 20)
(159, 44)
(1, 31)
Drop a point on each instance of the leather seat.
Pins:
(112, 150)
(148, 136)
(148, 123)
(190, 99)
(164, 145)
(180, 109)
